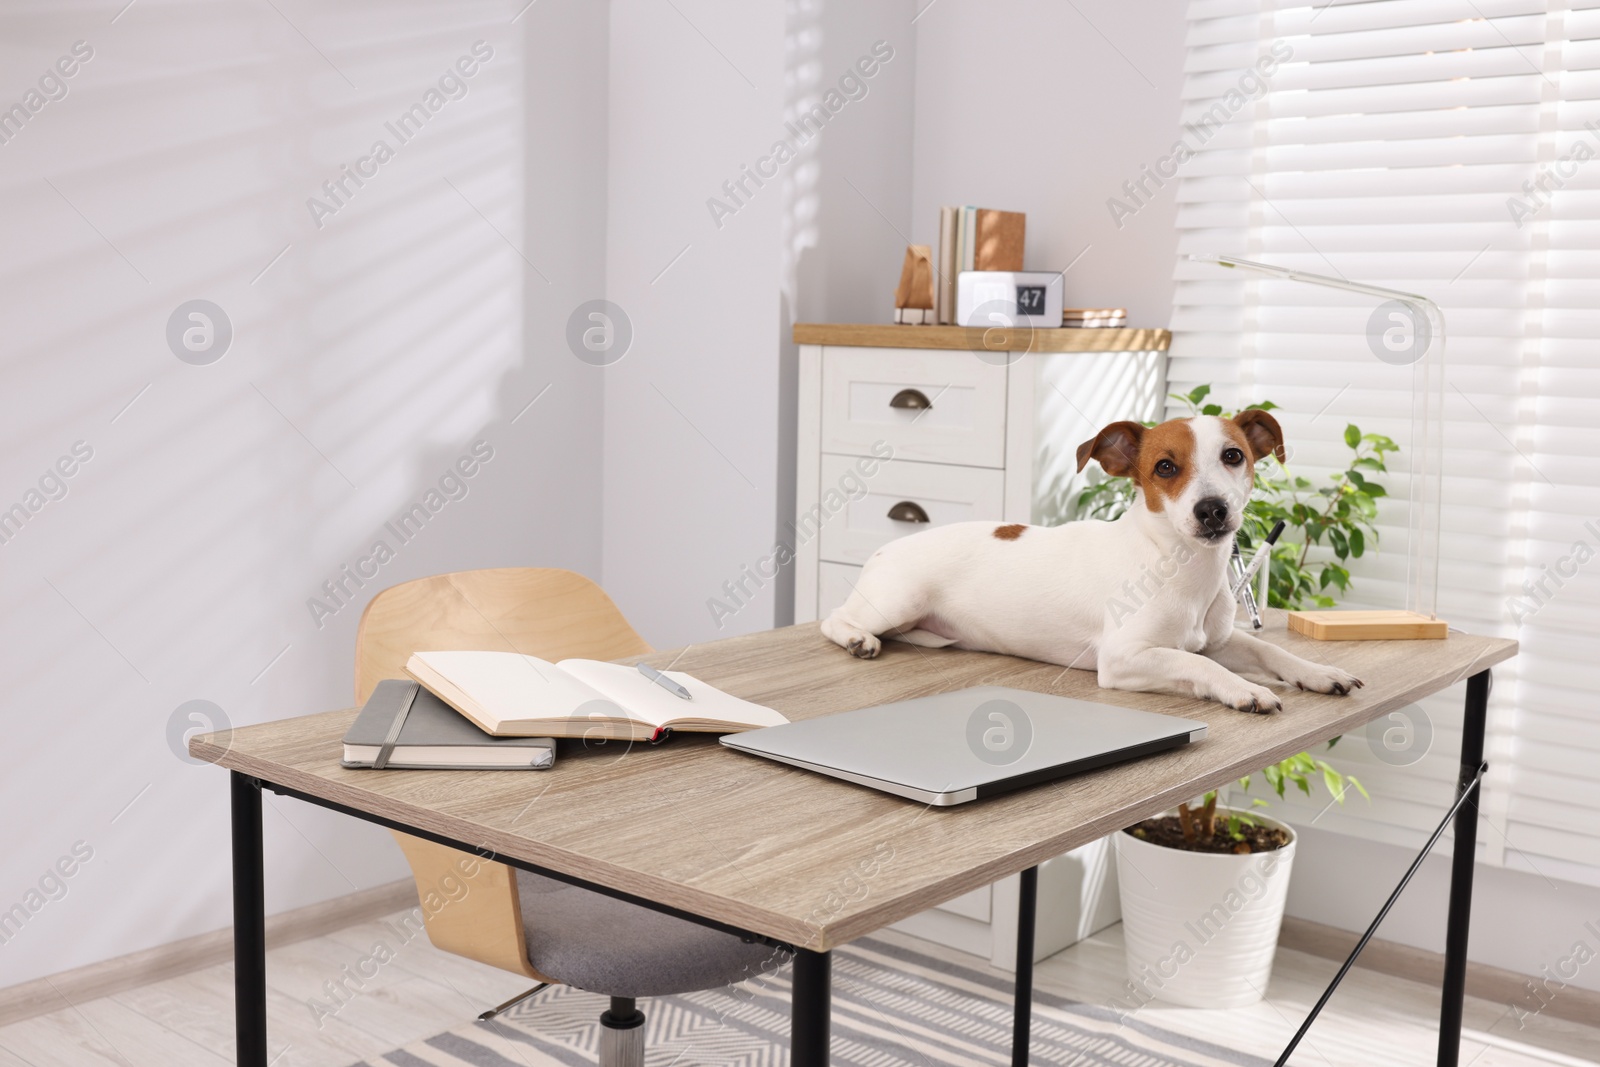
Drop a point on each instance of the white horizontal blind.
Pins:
(1387, 146)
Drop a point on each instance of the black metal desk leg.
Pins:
(809, 1009)
(1022, 1004)
(249, 924)
(1461, 863)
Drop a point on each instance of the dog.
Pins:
(1144, 599)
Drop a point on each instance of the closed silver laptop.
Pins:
(955, 747)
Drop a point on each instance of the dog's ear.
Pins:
(1116, 447)
(1263, 433)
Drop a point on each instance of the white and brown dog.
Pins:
(1144, 599)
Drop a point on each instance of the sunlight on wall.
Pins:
(378, 330)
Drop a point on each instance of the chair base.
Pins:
(513, 1002)
(622, 1034)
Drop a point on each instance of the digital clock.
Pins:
(1008, 298)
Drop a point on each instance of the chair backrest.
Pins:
(552, 614)
(539, 611)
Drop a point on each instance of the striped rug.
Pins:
(893, 1006)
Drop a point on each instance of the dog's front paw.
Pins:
(850, 637)
(1320, 679)
(864, 647)
(1244, 696)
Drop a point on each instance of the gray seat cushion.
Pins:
(608, 946)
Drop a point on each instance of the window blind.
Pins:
(1443, 147)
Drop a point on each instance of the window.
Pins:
(1446, 147)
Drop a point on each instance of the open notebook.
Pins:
(511, 695)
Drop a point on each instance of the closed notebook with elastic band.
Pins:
(403, 726)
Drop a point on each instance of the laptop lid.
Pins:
(954, 747)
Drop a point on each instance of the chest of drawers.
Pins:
(976, 424)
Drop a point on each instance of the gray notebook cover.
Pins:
(431, 723)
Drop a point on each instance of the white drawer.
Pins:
(944, 493)
(834, 583)
(958, 412)
(973, 905)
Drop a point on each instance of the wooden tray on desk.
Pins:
(1367, 625)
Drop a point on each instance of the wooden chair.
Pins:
(524, 923)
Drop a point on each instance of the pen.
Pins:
(664, 682)
(1242, 590)
(1259, 558)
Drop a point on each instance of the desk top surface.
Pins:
(804, 858)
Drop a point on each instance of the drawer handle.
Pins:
(906, 511)
(911, 400)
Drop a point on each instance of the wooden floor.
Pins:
(188, 1021)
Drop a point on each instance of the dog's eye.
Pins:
(1166, 468)
(1232, 457)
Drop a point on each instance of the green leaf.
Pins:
(1199, 393)
(1265, 405)
(1304, 784)
(1334, 781)
(1359, 787)
(1211, 409)
(1374, 489)
(1257, 802)
(1352, 435)
(1358, 542)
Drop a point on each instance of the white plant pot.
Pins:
(1201, 929)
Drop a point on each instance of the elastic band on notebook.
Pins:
(394, 729)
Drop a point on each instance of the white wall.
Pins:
(364, 362)
(700, 412)
(1047, 108)
(1522, 921)
(691, 474)
(852, 216)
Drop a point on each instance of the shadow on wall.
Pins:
(346, 194)
(849, 74)
(802, 47)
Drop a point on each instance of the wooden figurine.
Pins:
(913, 297)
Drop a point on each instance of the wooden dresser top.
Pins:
(979, 339)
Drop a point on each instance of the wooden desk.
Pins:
(741, 843)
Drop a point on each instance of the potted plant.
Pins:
(1203, 888)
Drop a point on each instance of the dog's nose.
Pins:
(1212, 513)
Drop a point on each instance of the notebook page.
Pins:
(510, 687)
(649, 702)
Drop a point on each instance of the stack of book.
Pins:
(1095, 318)
(974, 238)
(503, 710)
